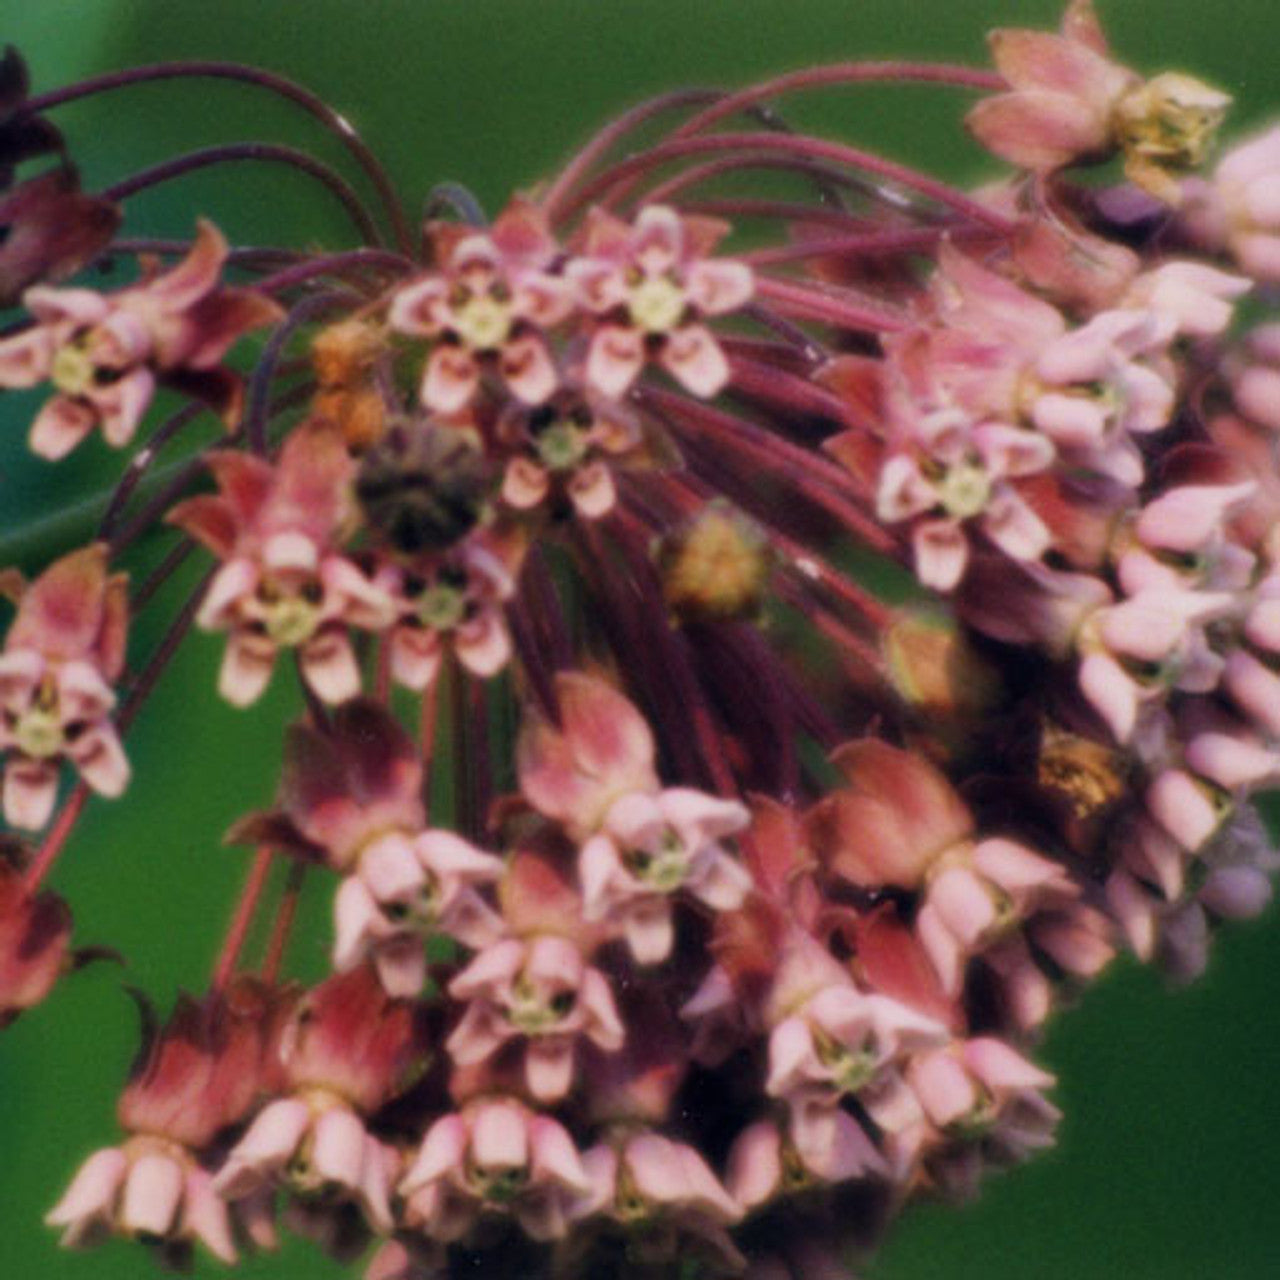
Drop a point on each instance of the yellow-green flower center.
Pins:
(73, 369)
(442, 607)
(965, 489)
(656, 304)
(483, 322)
(39, 733)
(562, 445)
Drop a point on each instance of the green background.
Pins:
(1168, 1164)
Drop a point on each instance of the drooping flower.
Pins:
(63, 653)
(494, 1157)
(651, 847)
(539, 989)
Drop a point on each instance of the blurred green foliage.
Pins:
(1166, 1166)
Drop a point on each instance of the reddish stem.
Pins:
(842, 73)
(805, 147)
(56, 839)
(810, 303)
(283, 924)
(238, 930)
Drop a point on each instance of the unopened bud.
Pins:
(936, 669)
(716, 567)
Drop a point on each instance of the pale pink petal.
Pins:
(30, 792)
(1111, 692)
(205, 1215)
(603, 1025)
(246, 668)
(123, 410)
(720, 881)
(329, 666)
(452, 378)
(357, 921)
(527, 368)
(480, 1033)
(941, 553)
(592, 491)
(233, 582)
(266, 1148)
(483, 645)
(755, 1164)
(500, 1133)
(1183, 808)
(1000, 1068)
(1015, 528)
(401, 963)
(548, 1067)
(91, 1197)
(60, 426)
(443, 1150)
(791, 1056)
(694, 358)
(391, 870)
(944, 1087)
(524, 484)
(98, 755)
(152, 1196)
(649, 929)
(496, 966)
(554, 1156)
(338, 1143)
(614, 360)
(1230, 760)
(1069, 420)
(25, 359)
(416, 655)
(963, 903)
(1254, 688)
(1132, 906)
(717, 287)
(902, 490)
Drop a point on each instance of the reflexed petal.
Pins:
(941, 553)
(755, 1164)
(91, 1197)
(266, 1148)
(528, 369)
(718, 287)
(443, 1151)
(152, 1196)
(451, 379)
(483, 645)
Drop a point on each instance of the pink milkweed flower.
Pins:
(494, 1157)
(1238, 208)
(665, 1192)
(105, 353)
(408, 886)
(201, 1073)
(653, 846)
(844, 1041)
(491, 301)
(1094, 388)
(1063, 90)
(452, 604)
(1133, 650)
(345, 1051)
(986, 1102)
(1071, 103)
(650, 284)
(321, 1149)
(35, 931)
(600, 749)
(563, 450)
(541, 990)
(1197, 297)
(766, 1161)
(283, 582)
(958, 472)
(64, 651)
(980, 894)
(152, 1190)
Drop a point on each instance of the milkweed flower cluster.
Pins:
(691, 905)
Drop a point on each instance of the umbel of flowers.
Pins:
(691, 905)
